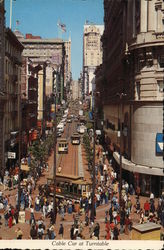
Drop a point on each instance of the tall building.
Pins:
(50, 55)
(67, 60)
(75, 90)
(2, 83)
(12, 112)
(92, 54)
(29, 99)
(131, 85)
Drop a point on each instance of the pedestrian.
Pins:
(86, 219)
(37, 203)
(61, 231)
(19, 233)
(44, 208)
(127, 223)
(152, 207)
(115, 232)
(16, 215)
(10, 221)
(138, 191)
(107, 229)
(97, 231)
(112, 225)
(52, 233)
(40, 232)
(33, 232)
(10, 184)
(122, 220)
(137, 206)
(76, 231)
(147, 208)
(72, 232)
(106, 216)
(47, 235)
(91, 229)
(141, 216)
(6, 217)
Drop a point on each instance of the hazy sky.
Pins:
(40, 17)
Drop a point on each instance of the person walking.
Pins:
(19, 233)
(61, 231)
(97, 231)
(115, 232)
(147, 208)
(33, 232)
(107, 229)
(72, 232)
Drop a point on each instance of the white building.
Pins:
(92, 54)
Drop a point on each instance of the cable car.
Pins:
(69, 186)
(75, 139)
(62, 146)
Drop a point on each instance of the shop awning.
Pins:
(130, 166)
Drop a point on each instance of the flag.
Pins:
(17, 22)
(62, 26)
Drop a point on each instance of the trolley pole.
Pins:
(54, 169)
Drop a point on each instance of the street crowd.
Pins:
(117, 219)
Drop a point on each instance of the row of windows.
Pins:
(12, 50)
(9, 125)
(160, 86)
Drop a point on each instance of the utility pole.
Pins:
(11, 5)
(54, 172)
(20, 141)
(121, 112)
(93, 168)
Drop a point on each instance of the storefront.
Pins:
(148, 179)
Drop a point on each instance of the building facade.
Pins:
(67, 60)
(131, 85)
(50, 55)
(92, 54)
(2, 87)
(12, 88)
(75, 90)
(29, 99)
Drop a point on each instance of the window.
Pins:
(160, 86)
(138, 90)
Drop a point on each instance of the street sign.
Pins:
(11, 155)
(159, 143)
(90, 115)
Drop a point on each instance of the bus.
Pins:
(62, 146)
(75, 139)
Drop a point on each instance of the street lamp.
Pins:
(121, 95)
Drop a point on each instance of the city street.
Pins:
(69, 167)
(81, 120)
